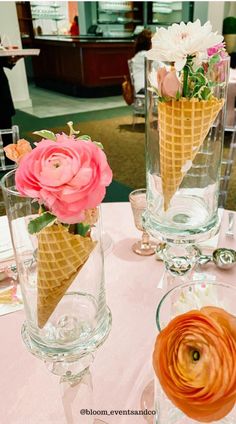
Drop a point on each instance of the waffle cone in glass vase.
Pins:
(183, 126)
(60, 257)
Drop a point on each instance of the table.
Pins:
(30, 394)
(19, 52)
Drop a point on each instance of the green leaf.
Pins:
(81, 229)
(178, 95)
(212, 84)
(98, 144)
(84, 137)
(214, 59)
(200, 70)
(205, 93)
(88, 138)
(200, 79)
(42, 221)
(196, 89)
(46, 134)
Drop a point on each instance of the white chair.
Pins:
(139, 99)
(230, 127)
(227, 166)
(13, 137)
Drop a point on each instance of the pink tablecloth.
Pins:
(29, 394)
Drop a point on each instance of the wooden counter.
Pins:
(86, 67)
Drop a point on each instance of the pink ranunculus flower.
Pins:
(67, 176)
(168, 83)
(16, 152)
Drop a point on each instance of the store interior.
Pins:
(117, 212)
(79, 77)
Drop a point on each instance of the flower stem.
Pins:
(185, 82)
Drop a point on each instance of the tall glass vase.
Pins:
(184, 140)
(177, 301)
(62, 282)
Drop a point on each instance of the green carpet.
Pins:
(116, 192)
(123, 144)
(31, 123)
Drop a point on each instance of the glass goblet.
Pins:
(143, 247)
(193, 296)
(66, 331)
(183, 184)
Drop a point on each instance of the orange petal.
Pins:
(204, 390)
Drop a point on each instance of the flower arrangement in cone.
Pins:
(185, 88)
(195, 361)
(67, 175)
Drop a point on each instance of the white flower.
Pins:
(178, 41)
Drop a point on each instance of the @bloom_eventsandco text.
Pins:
(144, 412)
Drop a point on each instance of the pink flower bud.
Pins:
(168, 83)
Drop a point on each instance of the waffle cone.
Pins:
(61, 255)
(183, 127)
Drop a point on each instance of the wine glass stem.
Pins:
(77, 397)
(145, 239)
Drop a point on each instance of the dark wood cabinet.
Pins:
(86, 68)
(23, 10)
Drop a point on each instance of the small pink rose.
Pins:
(16, 152)
(223, 54)
(215, 49)
(168, 83)
(67, 176)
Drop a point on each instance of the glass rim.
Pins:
(183, 285)
(168, 62)
(137, 190)
(6, 189)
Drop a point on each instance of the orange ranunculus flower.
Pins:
(16, 151)
(195, 361)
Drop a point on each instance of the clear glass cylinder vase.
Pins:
(184, 140)
(187, 297)
(61, 277)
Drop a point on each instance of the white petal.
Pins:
(179, 40)
(208, 26)
(179, 64)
